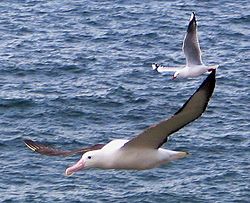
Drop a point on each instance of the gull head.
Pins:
(182, 73)
(176, 74)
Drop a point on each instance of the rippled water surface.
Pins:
(76, 73)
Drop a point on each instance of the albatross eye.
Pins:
(89, 157)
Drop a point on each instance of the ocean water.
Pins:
(76, 73)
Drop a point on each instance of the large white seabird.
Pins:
(143, 151)
(191, 48)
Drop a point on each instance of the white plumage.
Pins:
(191, 48)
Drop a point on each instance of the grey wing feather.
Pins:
(161, 69)
(191, 45)
(157, 135)
(50, 151)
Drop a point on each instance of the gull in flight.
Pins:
(191, 48)
(143, 151)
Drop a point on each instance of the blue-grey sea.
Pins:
(76, 73)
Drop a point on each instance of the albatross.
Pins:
(144, 151)
(191, 48)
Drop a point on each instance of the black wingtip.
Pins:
(208, 85)
(209, 81)
(30, 144)
(28, 141)
(194, 17)
(192, 23)
(43, 149)
(155, 66)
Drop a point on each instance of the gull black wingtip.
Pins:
(192, 23)
(193, 17)
(155, 66)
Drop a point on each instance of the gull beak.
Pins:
(173, 77)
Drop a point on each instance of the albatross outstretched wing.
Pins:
(191, 45)
(50, 151)
(157, 135)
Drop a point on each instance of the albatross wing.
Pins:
(191, 45)
(49, 151)
(157, 135)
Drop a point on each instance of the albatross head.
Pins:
(89, 160)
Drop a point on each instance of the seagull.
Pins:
(191, 48)
(143, 151)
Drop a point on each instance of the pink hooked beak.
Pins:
(76, 167)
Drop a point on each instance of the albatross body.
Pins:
(114, 156)
(194, 66)
(144, 150)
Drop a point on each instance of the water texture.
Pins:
(76, 73)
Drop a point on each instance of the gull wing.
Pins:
(155, 136)
(161, 69)
(191, 45)
(50, 151)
